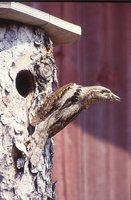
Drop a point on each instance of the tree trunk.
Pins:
(28, 74)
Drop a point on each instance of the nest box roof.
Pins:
(60, 31)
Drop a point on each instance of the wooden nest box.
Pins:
(28, 75)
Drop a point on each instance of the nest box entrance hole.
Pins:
(25, 83)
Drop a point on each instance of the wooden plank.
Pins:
(59, 31)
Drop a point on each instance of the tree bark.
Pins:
(28, 74)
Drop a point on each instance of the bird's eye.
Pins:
(105, 91)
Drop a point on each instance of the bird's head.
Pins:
(97, 94)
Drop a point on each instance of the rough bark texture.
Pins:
(27, 70)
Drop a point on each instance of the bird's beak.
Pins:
(115, 97)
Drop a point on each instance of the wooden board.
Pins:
(60, 31)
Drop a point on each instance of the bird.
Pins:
(63, 105)
(59, 109)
